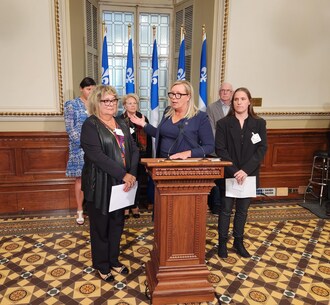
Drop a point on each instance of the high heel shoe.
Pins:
(121, 270)
(80, 218)
(106, 277)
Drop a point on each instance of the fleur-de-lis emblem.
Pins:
(203, 76)
(155, 78)
(129, 75)
(105, 77)
(181, 74)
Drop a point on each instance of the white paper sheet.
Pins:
(120, 199)
(245, 190)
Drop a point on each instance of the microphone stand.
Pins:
(180, 126)
(199, 146)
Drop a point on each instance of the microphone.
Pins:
(198, 145)
(180, 126)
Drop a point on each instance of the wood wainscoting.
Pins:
(32, 167)
(289, 158)
(32, 172)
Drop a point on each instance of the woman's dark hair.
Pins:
(250, 109)
(86, 82)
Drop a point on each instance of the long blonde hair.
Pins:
(95, 98)
(192, 109)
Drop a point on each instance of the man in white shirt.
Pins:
(215, 112)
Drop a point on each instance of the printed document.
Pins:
(245, 190)
(120, 199)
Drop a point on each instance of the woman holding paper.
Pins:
(241, 138)
(111, 158)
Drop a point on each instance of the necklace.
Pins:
(111, 124)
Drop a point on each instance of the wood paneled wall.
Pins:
(32, 167)
(32, 172)
(289, 156)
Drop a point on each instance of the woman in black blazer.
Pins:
(242, 139)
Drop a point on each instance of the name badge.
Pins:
(118, 132)
(255, 138)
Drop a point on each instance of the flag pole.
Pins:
(182, 32)
(129, 31)
(153, 32)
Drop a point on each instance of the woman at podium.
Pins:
(240, 138)
(184, 131)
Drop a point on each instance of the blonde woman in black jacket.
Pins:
(242, 139)
(111, 158)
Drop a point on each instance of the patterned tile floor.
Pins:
(46, 260)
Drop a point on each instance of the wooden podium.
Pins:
(177, 272)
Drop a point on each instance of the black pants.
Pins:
(105, 232)
(214, 198)
(141, 177)
(226, 207)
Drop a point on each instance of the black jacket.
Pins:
(104, 166)
(232, 143)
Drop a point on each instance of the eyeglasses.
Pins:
(225, 90)
(176, 95)
(109, 102)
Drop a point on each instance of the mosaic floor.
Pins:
(47, 260)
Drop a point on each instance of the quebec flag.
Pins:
(202, 102)
(130, 87)
(154, 98)
(105, 63)
(182, 60)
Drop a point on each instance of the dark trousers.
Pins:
(105, 232)
(242, 206)
(141, 177)
(214, 198)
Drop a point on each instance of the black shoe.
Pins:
(121, 270)
(222, 248)
(240, 249)
(215, 212)
(106, 277)
(126, 216)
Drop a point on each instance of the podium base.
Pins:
(178, 284)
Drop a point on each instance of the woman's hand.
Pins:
(240, 176)
(181, 155)
(129, 182)
(138, 121)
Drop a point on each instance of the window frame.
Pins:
(136, 10)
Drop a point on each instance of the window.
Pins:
(92, 40)
(184, 16)
(142, 35)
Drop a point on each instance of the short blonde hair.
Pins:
(192, 109)
(95, 98)
(127, 96)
